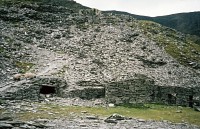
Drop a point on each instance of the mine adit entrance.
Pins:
(171, 98)
(190, 102)
(47, 89)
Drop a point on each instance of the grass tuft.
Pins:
(23, 66)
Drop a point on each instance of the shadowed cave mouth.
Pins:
(191, 101)
(45, 89)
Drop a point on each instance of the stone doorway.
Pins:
(46, 89)
(171, 99)
(190, 102)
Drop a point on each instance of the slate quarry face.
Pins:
(75, 47)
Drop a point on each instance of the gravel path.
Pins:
(81, 123)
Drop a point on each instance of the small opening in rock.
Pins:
(152, 96)
(100, 95)
(47, 90)
(190, 101)
(169, 98)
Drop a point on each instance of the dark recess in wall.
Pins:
(47, 90)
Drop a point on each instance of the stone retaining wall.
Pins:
(139, 89)
(31, 89)
(87, 93)
(178, 95)
(142, 90)
(136, 90)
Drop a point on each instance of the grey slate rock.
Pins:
(111, 121)
(197, 108)
(5, 126)
(117, 117)
(91, 117)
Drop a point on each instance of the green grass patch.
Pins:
(24, 66)
(151, 111)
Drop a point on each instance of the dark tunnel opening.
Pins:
(47, 90)
(191, 101)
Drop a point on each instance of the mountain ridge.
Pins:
(185, 22)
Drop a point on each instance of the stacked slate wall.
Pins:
(143, 90)
(138, 90)
(30, 89)
(178, 95)
(86, 93)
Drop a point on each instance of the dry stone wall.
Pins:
(178, 95)
(143, 90)
(87, 93)
(136, 90)
(32, 89)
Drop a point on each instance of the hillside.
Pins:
(78, 44)
(59, 60)
(188, 23)
(185, 22)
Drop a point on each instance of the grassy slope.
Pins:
(181, 47)
(184, 22)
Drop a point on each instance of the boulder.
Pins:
(114, 118)
(110, 121)
(197, 108)
(117, 117)
(5, 126)
(111, 105)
